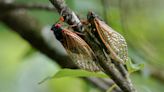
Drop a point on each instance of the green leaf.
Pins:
(133, 67)
(78, 73)
(75, 73)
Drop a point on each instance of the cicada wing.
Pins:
(113, 40)
(79, 51)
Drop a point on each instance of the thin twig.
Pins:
(110, 83)
(29, 6)
(99, 83)
(105, 84)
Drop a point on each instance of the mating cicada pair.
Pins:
(80, 51)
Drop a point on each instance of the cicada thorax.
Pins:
(113, 41)
(77, 48)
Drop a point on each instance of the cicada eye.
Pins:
(57, 25)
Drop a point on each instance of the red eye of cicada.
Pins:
(57, 25)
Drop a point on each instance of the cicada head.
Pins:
(90, 16)
(57, 30)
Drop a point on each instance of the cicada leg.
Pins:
(115, 57)
(71, 26)
(84, 21)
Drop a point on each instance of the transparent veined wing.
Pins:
(79, 51)
(113, 41)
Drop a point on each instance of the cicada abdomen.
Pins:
(114, 42)
(76, 47)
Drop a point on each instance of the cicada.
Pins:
(78, 50)
(114, 42)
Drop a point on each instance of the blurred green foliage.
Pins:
(141, 22)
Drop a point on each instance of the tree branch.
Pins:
(104, 84)
(69, 16)
(35, 6)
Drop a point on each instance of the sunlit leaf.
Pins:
(78, 73)
(75, 73)
(133, 67)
